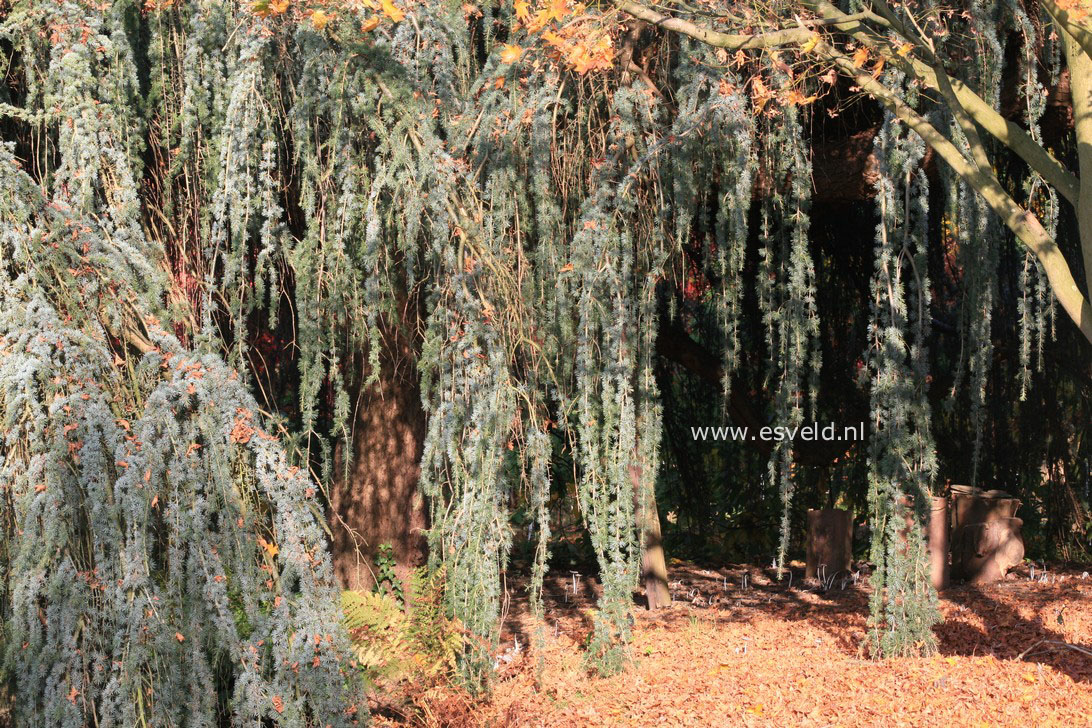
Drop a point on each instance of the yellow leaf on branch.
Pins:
(557, 10)
(510, 53)
(392, 11)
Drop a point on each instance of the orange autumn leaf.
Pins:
(278, 703)
(510, 53)
(581, 61)
(760, 94)
(878, 68)
(370, 24)
(242, 430)
(523, 9)
(860, 57)
(553, 38)
(1076, 9)
(179, 636)
(392, 11)
(319, 19)
(557, 10)
(795, 98)
(270, 548)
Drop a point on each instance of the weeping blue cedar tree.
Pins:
(346, 174)
(162, 560)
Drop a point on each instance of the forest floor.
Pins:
(738, 647)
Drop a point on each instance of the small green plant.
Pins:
(391, 644)
(377, 628)
(386, 578)
(605, 650)
(439, 640)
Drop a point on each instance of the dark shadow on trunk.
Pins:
(378, 500)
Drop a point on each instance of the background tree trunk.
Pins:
(379, 500)
(830, 542)
(653, 562)
(938, 542)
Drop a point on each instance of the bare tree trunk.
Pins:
(938, 543)
(829, 544)
(653, 562)
(379, 501)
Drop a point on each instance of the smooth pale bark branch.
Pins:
(1004, 130)
(1079, 29)
(985, 116)
(729, 41)
(970, 131)
(1080, 88)
(1024, 225)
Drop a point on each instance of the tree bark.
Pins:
(830, 542)
(1080, 89)
(379, 501)
(938, 543)
(653, 562)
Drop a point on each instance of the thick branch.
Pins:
(1023, 224)
(729, 41)
(1004, 130)
(1077, 29)
(1007, 132)
(1080, 74)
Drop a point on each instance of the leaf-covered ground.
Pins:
(759, 652)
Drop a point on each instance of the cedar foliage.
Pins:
(183, 175)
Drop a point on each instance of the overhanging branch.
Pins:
(1022, 223)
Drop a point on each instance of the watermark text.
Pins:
(811, 432)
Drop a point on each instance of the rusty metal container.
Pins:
(986, 534)
(829, 543)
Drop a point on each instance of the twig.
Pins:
(1058, 644)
